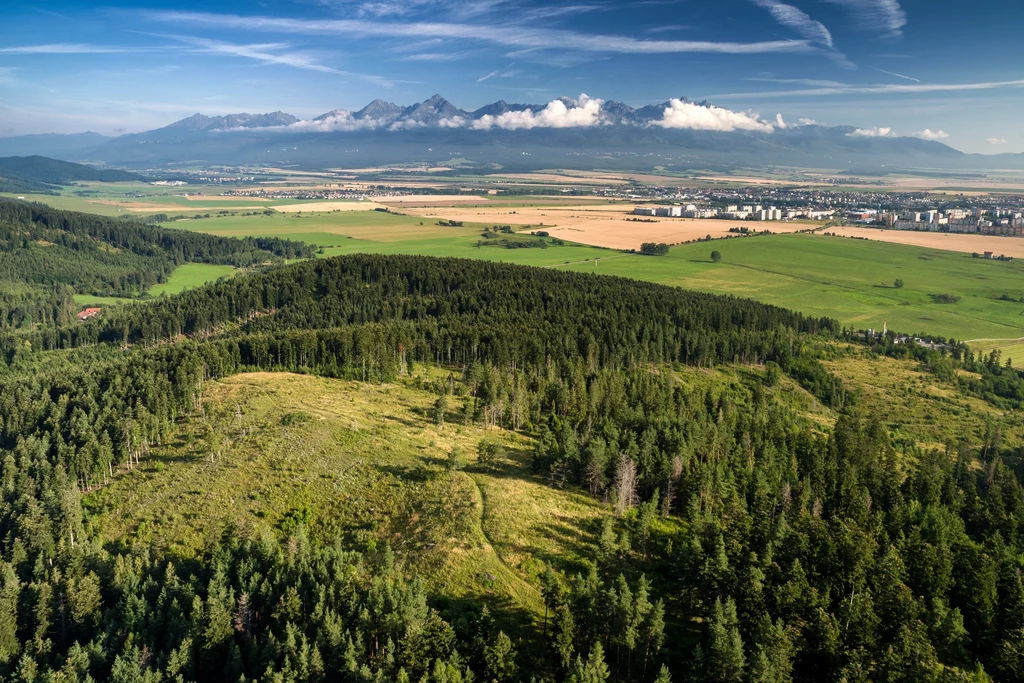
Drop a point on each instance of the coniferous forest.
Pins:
(799, 551)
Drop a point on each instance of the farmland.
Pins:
(850, 279)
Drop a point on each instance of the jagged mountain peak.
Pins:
(201, 122)
(379, 109)
(433, 110)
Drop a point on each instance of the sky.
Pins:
(946, 70)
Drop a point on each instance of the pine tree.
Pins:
(565, 635)
(594, 670)
(724, 659)
(500, 659)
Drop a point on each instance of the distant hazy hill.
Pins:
(51, 144)
(563, 133)
(199, 122)
(41, 174)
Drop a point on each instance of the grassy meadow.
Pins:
(275, 450)
(184, 277)
(270, 452)
(191, 275)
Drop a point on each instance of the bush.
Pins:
(489, 452)
(654, 249)
(716, 256)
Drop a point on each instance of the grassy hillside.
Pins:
(274, 451)
(51, 260)
(42, 174)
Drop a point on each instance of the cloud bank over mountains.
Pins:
(680, 114)
(564, 112)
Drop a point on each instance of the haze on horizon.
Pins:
(935, 69)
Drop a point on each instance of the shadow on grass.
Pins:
(414, 473)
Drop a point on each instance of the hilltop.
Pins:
(41, 174)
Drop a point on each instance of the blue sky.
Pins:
(944, 69)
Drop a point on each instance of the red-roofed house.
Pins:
(88, 313)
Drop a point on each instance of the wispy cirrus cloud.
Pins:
(877, 15)
(812, 82)
(893, 73)
(507, 72)
(881, 89)
(796, 19)
(513, 36)
(406, 8)
(271, 53)
(67, 49)
(433, 57)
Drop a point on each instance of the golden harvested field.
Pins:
(602, 226)
(760, 181)
(574, 179)
(1009, 246)
(327, 206)
(999, 182)
(147, 207)
(433, 200)
(222, 198)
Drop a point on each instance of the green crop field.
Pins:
(849, 279)
(191, 275)
(184, 277)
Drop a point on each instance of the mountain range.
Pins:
(566, 132)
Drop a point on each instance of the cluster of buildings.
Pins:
(746, 212)
(321, 194)
(977, 220)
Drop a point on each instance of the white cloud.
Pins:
(340, 120)
(779, 123)
(272, 53)
(794, 18)
(66, 49)
(586, 111)
(929, 134)
(877, 15)
(516, 36)
(882, 132)
(681, 114)
(808, 122)
(432, 57)
(893, 73)
(890, 88)
(996, 141)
